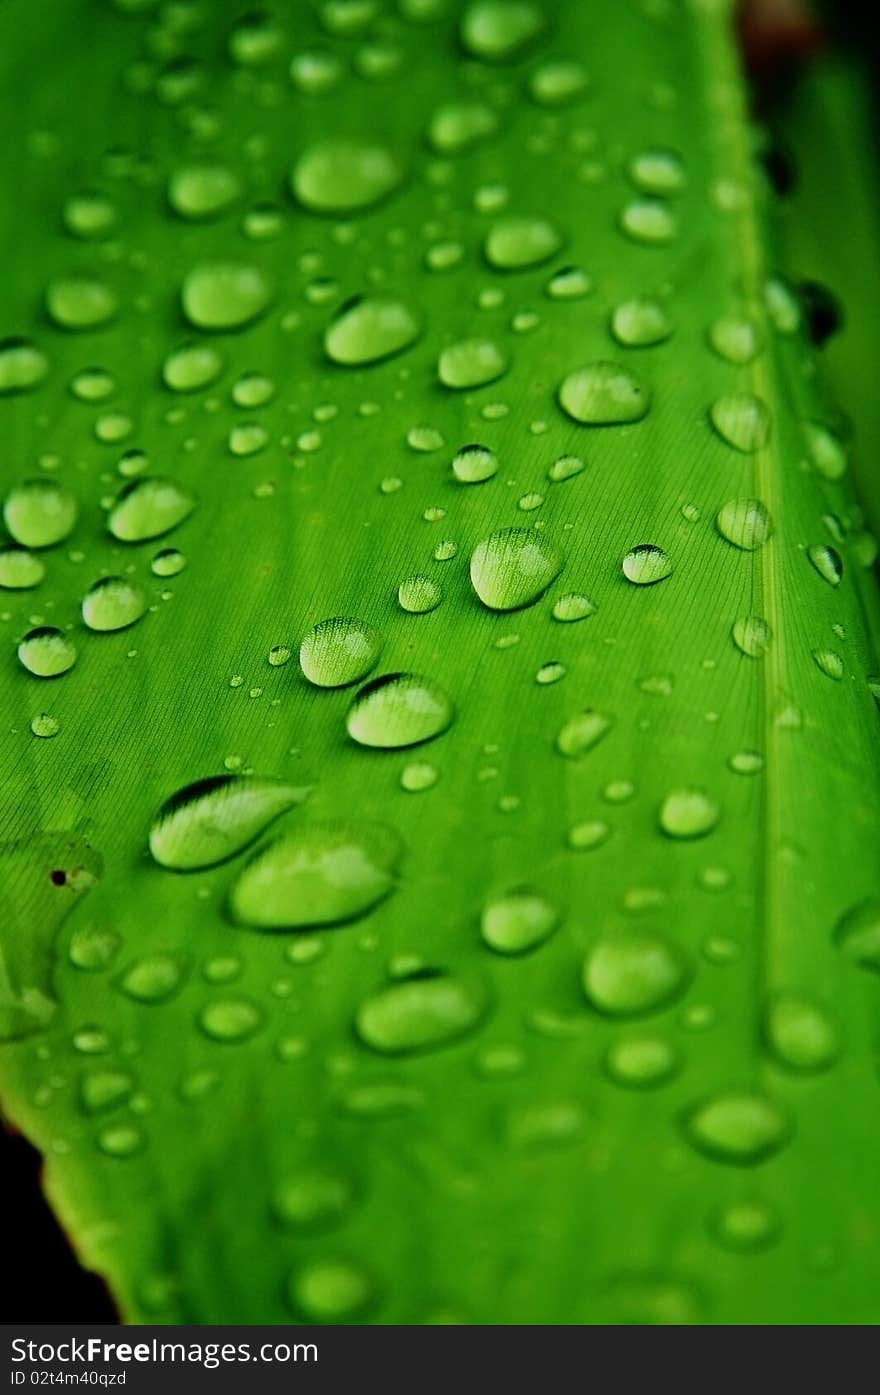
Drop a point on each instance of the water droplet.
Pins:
(626, 975)
(657, 172)
(518, 922)
(80, 302)
(829, 662)
(121, 1140)
(736, 339)
(344, 176)
(646, 564)
(211, 820)
(418, 776)
(201, 191)
(455, 128)
(744, 522)
(513, 568)
(370, 328)
(315, 72)
(88, 215)
(23, 366)
(93, 947)
(113, 604)
(642, 1062)
(252, 390)
(225, 295)
(826, 560)
(742, 420)
(746, 762)
(582, 732)
(169, 562)
(419, 1014)
(105, 1089)
(738, 1127)
(751, 635)
(46, 652)
(230, 1020)
(557, 83)
(471, 363)
(515, 244)
(418, 594)
(589, 834)
(637, 324)
(572, 606)
(857, 934)
(648, 220)
(550, 673)
(604, 394)
(782, 305)
(473, 464)
(688, 813)
(39, 513)
(248, 438)
(321, 874)
(746, 1225)
(147, 508)
(565, 468)
(800, 1034)
(152, 979)
(424, 439)
(45, 725)
(330, 1291)
(279, 655)
(255, 39)
(339, 651)
(569, 283)
(398, 709)
(311, 1199)
(191, 367)
(92, 385)
(497, 31)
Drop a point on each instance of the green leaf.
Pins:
(544, 990)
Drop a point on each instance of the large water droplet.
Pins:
(742, 420)
(398, 709)
(23, 366)
(637, 324)
(113, 603)
(738, 1127)
(370, 328)
(648, 220)
(518, 922)
(514, 244)
(688, 813)
(513, 568)
(152, 978)
(604, 394)
(751, 635)
(322, 874)
(197, 192)
(230, 1020)
(857, 934)
(46, 652)
(459, 127)
(646, 564)
(497, 31)
(211, 820)
(344, 176)
(80, 302)
(736, 339)
(582, 732)
(800, 1033)
(20, 570)
(149, 507)
(657, 171)
(39, 513)
(339, 651)
(225, 295)
(745, 522)
(471, 363)
(89, 215)
(419, 1014)
(629, 974)
(191, 367)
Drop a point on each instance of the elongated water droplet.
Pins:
(80, 303)
(738, 1128)
(121, 1140)
(746, 1225)
(344, 176)
(149, 507)
(829, 662)
(420, 1014)
(513, 568)
(419, 775)
(339, 651)
(642, 1062)
(113, 603)
(742, 420)
(225, 295)
(89, 215)
(230, 1020)
(471, 363)
(557, 83)
(20, 570)
(398, 709)
(657, 171)
(514, 244)
(857, 934)
(152, 979)
(646, 564)
(370, 328)
(46, 652)
(310, 1199)
(419, 594)
(800, 1033)
(211, 820)
(565, 468)
(497, 31)
(745, 522)
(518, 922)
(629, 974)
(571, 607)
(197, 192)
(782, 305)
(826, 560)
(637, 324)
(582, 732)
(39, 513)
(192, 367)
(648, 220)
(322, 874)
(751, 635)
(461, 126)
(23, 366)
(604, 394)
(105, 1089)
(736, 339)
(827, 453)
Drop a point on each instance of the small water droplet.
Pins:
(152, 979)
(857, 934)
(330, 1291)
(113, 603)
(104, 1089)
(648, 220)
(604, 394)
(474, 464)
(557, 83)
(339, 651)
(657, 171)
(191, 367)
(515, 244)
(168, 562)
(746, 1225)
(518, 922)
(630, 974)
(344, 176)
(688, 813)
(201, 191)
(39, 513)
(800, 1033)
(736, 339)
(565, 468)
(738, 1128)
(497, 31)
(419, 1014)
(460, 126)
(751, 635)
(471, 363)
(826, 560)
(230, 1020)
(641, 1062)
(744, 522)
(311, 1199)
(742, 420)
(418, 776)
(569, 283)
(23, 366)
(225, 295)
(46, 652)
(513, 568)
(829, 662)
(582, 732)
(641, 323)
(746, 762)
(148, 507)
(588, 834)
(121, 1140)
(646, 564)
(419, 594)
(77, 302)
(370, 328)
(45, 725)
